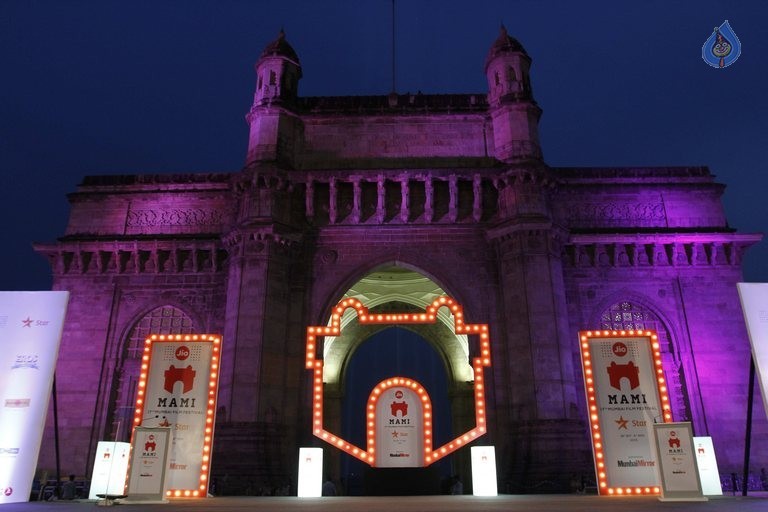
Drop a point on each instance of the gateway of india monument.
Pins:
(396, 200)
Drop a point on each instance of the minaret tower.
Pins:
(271, 117)
(513, 110)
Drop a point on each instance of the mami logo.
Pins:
(182, 353)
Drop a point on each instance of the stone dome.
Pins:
(280, 48)
(504, 44)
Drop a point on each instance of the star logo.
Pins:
(27, 322)
(395, 434)
(622, 423)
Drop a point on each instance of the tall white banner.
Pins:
(399, 429)
(754, 302)
(622, 374)
(178, 391)
(30, 332)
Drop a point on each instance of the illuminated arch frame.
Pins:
(603, 487)
(210, 413)
(429, 316)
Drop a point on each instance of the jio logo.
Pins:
(182, 353)
(619, 349)
(398, 394)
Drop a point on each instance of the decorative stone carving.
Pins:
(174, 217)
(582, 214)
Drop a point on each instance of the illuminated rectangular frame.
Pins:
(603, 486)
(210, 418)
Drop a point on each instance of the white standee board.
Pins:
(110, 469)
(707, 462)
(678, 468)
(310, 473)
(149, 458)
(484, 471)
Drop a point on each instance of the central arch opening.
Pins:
(402, 352)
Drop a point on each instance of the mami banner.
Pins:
(626, 395)
(177, 390)
(400, 427)
(30, 332)
(754, 302)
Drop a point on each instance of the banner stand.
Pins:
(110, 467)
(678, 467)
(310, 473)
(484, 471)
(149, 458)
(31, 324)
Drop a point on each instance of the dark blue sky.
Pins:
(106, 87)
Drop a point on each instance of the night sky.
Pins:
(106, 87)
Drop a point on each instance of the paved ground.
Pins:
(507, 503)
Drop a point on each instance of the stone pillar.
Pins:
(533, 365)
(429, 208)
(356, 197)
(309, 199)
(453, 202)
(332, 208)
(260, 383)
(404, 203)
(381, 205)
(477, 198)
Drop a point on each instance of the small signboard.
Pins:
(310, 473)
(677, 462)
(484, 471)
(149, 456)
(707, 462)
(110, 468)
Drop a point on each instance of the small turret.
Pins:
(507, 68)
(277, 73)
(514, 112)
(271, 118)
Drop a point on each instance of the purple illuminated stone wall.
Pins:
(454, 186)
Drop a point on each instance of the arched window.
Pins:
(626, 315)
(162, 320)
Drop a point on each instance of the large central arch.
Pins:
(396, 288)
